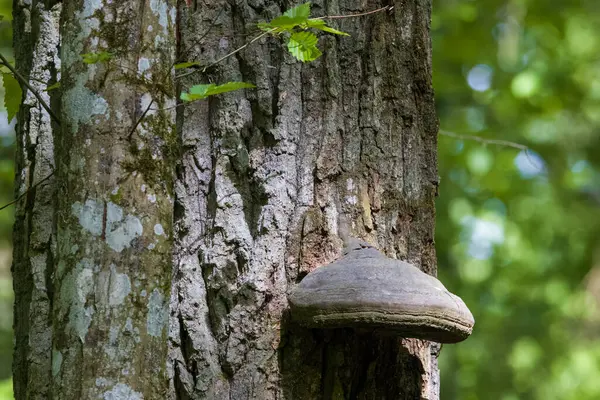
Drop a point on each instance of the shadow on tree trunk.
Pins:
(345, 364)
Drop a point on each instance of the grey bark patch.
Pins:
(57, 359)
(156, 320)
(121, 231)
(120, 287)
(89, 215)
(77, 286)
(83, 104)
(122, 391)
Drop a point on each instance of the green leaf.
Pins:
(229, 87)
(187, 64)
(12, 94)
(289, 20)
(314, 23)
(282, 23)
(303, 46)
(93, 58)
(301, 11)
(199, 92)
(53, 87)
(322, 26)
(188, 97)
(265, 26)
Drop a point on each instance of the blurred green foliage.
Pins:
(517, 232)
(6, 133)
(7, 142)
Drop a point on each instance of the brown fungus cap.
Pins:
(367, 290)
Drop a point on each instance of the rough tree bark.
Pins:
(112, 277)
(266, 178)
(104, 281)
(265, 181)
(36, 54)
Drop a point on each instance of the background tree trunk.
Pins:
(92, 305)
(265, 182)
(266, 178)
(36, 55)
(112, 278)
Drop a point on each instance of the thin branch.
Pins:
(178, 105)
(386, 8)
(497, 142)
(27, 191)
(203, 70)
(24, 82)
(139, 120)
(505, 143)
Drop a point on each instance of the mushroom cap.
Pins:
(365, 289)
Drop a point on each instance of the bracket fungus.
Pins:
(364, 289)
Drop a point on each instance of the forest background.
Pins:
(517, 85)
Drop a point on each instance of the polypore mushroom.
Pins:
(366, 289)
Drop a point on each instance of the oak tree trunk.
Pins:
(267, 180)
(264, 181)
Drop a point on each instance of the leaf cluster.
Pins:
(295, 23)
(301, 43)
(12, 94)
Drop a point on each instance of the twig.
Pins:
(203, 70)
(386, 8)
(497, 142)
(27, 191)
(24, 82)
(139, 120)
(479, 139)
(178, 105)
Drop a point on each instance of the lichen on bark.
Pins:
(113, 268)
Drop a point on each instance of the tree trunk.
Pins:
(266, 178)
(92, 306)
(114, 214)
(36, 56)
(267, 181)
